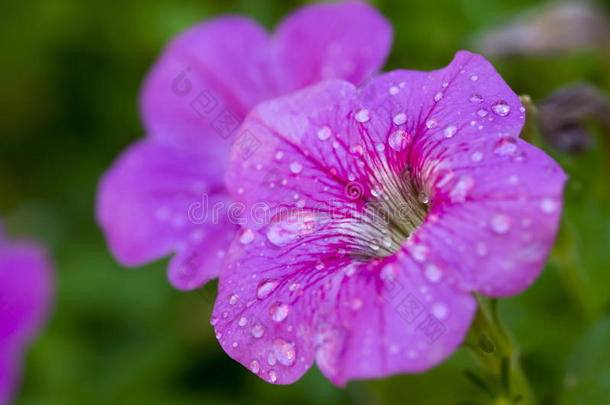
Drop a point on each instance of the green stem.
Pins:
(495, 350)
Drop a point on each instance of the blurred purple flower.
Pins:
(386, 214)
(162, 194)
(25, 297)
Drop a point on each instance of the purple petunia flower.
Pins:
(387, 207)
(25, 297)
(166, 193)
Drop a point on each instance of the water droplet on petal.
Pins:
(444, 177)
(399, 140)
(433, 273)
(500, 223)
(501, 108)
(258, 331)
(450, 131)
(389, 272)
(394, 90)
(431, 123)
(272, 376)
(233, 298)
(475, 98)
(246, 236)
(506, 145)
(474, 78)
(243, 321)
(284, 352)
(279, 155)
(399, 118)
(460, 191)
(439, 311)
(363, 115)
(482, 112)
(213, 320)
(356, 150)
(419, 253)
(254, 366)
(548, 205)
(376, 190)
(324, 133)
(287, 227)
(279, 311)
(476, 156)
(438, 96)
(296, 167)
(265, 288)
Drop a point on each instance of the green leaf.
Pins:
(587, 376)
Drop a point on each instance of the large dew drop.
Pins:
(287, 227)
(258, 331)
(265, 288)
(399, 118)
(399, 140)
(363, 115)
(501, 108)
(450, 131)
(279, 311)
(284, 352)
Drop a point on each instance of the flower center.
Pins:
(389, 219)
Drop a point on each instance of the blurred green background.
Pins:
(70, 75)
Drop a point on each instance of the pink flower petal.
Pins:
(325, 194)
(209, 77)
(497, 218)
(348, 40)
(8, 376)
(211, 74)
(159, 199)
(194, 99)
(25, 296)
(279, 309)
